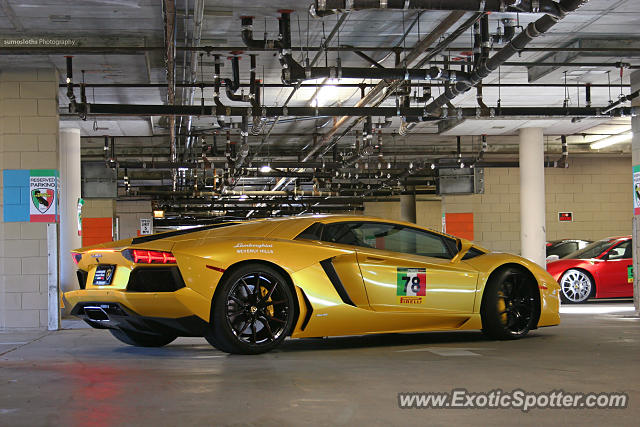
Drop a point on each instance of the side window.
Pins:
(623, 250)
(313, 232)
(390, 237)
(566, 248)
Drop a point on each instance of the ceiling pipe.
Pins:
(322, 8)
(212, 110)
(73, 103)
(136, 50)
(169, 14)
(249, 41)
(217, 84)
(328, 140)
(418, 50)
(294, 192)
(198, 17)
(564, 160)
(483, 149)
(285, 27)
(532, 31)
(295, 73)
(622, 100)
(365, 85)
(231, 86)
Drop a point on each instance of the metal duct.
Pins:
(532, 31)
(325, 7)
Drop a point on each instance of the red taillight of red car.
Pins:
(76, 258)
(143, 256)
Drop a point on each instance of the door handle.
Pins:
(375, 259)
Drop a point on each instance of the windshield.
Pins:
(591, 251)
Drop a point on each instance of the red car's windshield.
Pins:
(593, 250)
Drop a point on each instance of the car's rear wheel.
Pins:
(142, 340)
(509, 305)
(576, 286)
(253, 311)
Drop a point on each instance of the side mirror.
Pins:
(552, 258)
(463, 247)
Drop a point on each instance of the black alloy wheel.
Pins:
(510, 305)
(253, 312)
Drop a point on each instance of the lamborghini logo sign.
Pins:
(42, 198)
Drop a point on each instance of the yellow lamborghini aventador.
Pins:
(246, 286)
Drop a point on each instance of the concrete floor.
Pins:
(86, 377)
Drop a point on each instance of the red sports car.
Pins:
(601, 270)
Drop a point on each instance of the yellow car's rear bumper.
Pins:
(169, 305)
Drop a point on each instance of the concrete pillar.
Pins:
(408, 207)
(69, 194)
(28, 140)
(532, 201)
(635, 161)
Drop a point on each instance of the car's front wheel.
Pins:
(253, 311)
(509, 304)
(576, 286)
(142, 340)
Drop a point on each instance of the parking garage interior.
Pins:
(512, 124)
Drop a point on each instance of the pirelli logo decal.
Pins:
(411, 285)
(410, 300)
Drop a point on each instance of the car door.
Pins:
(407, 269)
(614, 272)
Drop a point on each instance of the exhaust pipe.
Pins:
(96, 314)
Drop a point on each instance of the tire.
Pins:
(142, 340)
(510, 305)
(576, 286)
(253, 311)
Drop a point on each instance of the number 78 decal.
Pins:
(411, 282)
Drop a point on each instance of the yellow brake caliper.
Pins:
(502, 307)
(264, 292)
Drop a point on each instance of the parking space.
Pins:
(85, 377)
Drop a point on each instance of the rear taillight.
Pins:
(143, 256)
(76, 258)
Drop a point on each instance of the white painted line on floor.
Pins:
(208, 357)
(589, 309)
(14, 343)
(447, 351)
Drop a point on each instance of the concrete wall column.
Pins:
(635, 161)
(532, 195)
(408, 207)
(70, 186)
(28, 140)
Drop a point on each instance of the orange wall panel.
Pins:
(96, 230)
(460, 225)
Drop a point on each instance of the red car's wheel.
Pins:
(576, 286)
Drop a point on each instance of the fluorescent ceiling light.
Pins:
(611, 140)
(265, 168)
(325, 95)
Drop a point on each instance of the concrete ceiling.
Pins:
(124, 23)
